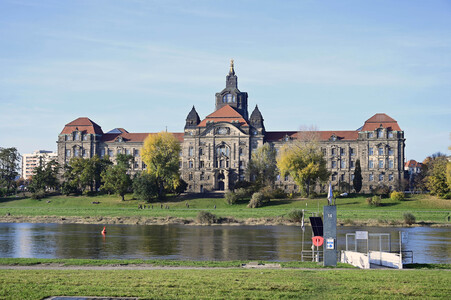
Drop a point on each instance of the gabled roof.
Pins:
(134, 137)
(276, 136)
(82, 124)
(380, 120)
(224, 114)
(412, 164)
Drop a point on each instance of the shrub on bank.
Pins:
(242, 193)
(397, 196)
(40, 194)
(409, 218)
(374, 201)
(295, 215)
(205, 217)
(231, 197)
(256, 200)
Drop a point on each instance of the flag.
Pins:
(302, 222)
(330, 195)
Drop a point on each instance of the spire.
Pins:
(232, 70)
(192, 120)
(256, 119)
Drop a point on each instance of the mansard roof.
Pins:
(278, 136)
(225, 114)
(380, 120)
(82, 124)
(134, 137)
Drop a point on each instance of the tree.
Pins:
(46, 176)
(145, 186)
(304, 162)
(436, 178)
(9, 167)
(116, 180)
(263, 166)
(357, 181)
(160, 153)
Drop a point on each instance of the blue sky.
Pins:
(142, 65)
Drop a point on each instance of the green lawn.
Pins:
(232, 283)
(425, 208)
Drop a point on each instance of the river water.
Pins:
(181, 242)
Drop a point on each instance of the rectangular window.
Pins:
(333, 151)
(201, 164)
(68, 153)
(381, 163)
(110, 152)
(390, 134)
(119, 151)
(190, 164)
(202, 176)
(85, 137)
(84, 153)
(241, 151)
(190, 151)
(76, 152)
(370, 151)
(334, 164)
(370, 164)
(352, 164)
(342, 177)
(380, 133)
(127, 151)
(352, 151)
(390, 177)
(136, 152)
(342, 151)
(334, 177)
(390, 164)
(381, 177)
(190, 176)
(381, 151)
(352, 176)
(371, 178)
(286, 177)
(102, 152)
(343, 164)
(201, 152)
(370, 135)
(390, 151)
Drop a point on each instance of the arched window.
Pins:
(228, 98)
(222, 150)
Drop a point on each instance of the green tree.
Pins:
(305, 163)
(46, 176)
(116, 180)
(436, 179)
(262, 167)
(9, 167)
(357, 181)
(145, 186)
(160, 153)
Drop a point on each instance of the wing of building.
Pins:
(217, 149)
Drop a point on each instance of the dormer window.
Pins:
(380, 133)
(370, 135)
(85, 137)
(76, 136)
(228, 98)
(390, 134)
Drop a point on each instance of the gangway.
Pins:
(381, 256)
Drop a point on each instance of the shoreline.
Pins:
(188, 221)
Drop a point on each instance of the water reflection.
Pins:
(272, 243)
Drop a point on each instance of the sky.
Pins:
(142, 65)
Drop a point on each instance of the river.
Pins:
(181, 242)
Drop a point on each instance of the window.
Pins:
(333, 151)
(323, 151)
(371, 178)
(370, 164)
(370, 135)
(76, 136)
(136, 165)
(85, 137)
(381, 163)
(76, 153)
(390, 134)
(84, 153)
(342, 164)
(352, 164)
(342, 177)
(351, 151)
(127, 151)
(66, 137)
(136, 152)
(390, 163)
(241, 151)
(391, 151)
(390, 177)
(334, 177)
(380, 151)
(342, 151)
(119, 151)
(202, 176)
(381, 177)
(190, 151)
(190, 164)
(278, 177)
(286, 177)
(200, 151)
(110, 152)
(222, 150)
(201, 164)
(102, 152)
(352, 176)
(370, 151)
(334, 164)
(380, 133)
(228, 98)
(190, 176)
(68, 153)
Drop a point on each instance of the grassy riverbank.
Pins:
(233, 283)
(427, 209)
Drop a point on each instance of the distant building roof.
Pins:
(380, 120)
(134, 137)
(224, 114)
(274, 136)
(82, 124)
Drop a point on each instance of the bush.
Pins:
(267, 193)
(38, 195)
(278, 193)
(256, 200)
(242, 193)
(382, 190)
(336, 194)
(295, 215)
(409, 219)
(374, 201)
(397, 196)
(231, 197)
(205, 217)
(242, 184)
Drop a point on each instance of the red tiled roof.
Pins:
(274, 136)
(379, 120)
(412, 164)
(82, 124)
(135, 137)
(224, 114)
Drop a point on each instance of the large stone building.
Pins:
(217, 149)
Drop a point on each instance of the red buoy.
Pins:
(104, 231)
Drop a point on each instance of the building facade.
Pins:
(216, 149)
(33, 160)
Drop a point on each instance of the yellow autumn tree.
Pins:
(160, 153)
(304, 162)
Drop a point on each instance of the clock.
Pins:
(222, 130)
